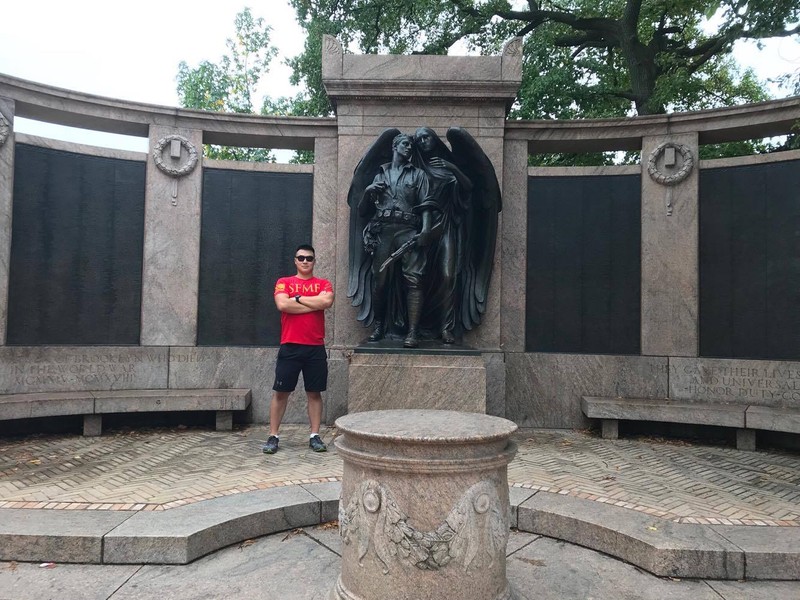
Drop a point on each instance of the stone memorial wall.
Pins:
(681, 283)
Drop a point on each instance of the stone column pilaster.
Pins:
(324, 222)
(6, 203)
(172, 239)
(514, 236)
(670, 245)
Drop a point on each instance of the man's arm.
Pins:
(367, 203)
(307, 304)
(427, 202)
(321, 302)
(288, 304)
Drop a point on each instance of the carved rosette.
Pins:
(672, 174)
(5, 130)
(473, 536)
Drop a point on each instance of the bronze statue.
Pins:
(422, 246)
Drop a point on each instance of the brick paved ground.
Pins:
(684, 482)
(156, 470)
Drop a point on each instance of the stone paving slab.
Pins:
(183, 534)
(303, 565)
(770, 553)
(661, 547)
(74, 536)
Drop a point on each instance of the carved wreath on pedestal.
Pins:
(474, 533)
(5, 130)
(675, 177)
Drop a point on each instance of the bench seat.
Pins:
(94, 404)
(771, 418)
(745, 418)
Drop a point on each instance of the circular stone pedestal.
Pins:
(424, 511)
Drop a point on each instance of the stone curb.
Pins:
(660, 546)
(183, 534)
(175, 536)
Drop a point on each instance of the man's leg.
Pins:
(314, 410)
(315, 419)
(379, 282)
(276, 410)
(413, 271)
(315, 377)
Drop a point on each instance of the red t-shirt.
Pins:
(306, 328)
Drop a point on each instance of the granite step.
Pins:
(183, 534)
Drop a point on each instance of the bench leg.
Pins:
(746, 439)
(224, 420)
(610, 429)
(92, 425)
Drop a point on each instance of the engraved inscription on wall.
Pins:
(754, 382)
(74, 369)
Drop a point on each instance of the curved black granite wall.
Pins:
(750, 261)
(76, 249)
(251, 224)
(583, 264)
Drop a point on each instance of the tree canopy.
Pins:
(229, 85)
(582, 58)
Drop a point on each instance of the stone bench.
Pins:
(93, 405)
(745, 418)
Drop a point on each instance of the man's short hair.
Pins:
(308, 247)
(400, 136)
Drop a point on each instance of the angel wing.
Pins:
(480, 227)
(359, 283)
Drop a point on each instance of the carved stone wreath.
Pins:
(474, 534)
(5, 130)
(184, 169)
(679, 175)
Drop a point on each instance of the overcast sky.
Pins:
(131, 50)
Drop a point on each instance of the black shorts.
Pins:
(293, 358)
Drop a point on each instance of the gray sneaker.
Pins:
(316, 444)
(271, 447)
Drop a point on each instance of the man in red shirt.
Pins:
(302, 300)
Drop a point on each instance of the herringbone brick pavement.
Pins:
(678, 480)
(155, 470)
(160, 469)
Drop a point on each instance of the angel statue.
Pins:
(423, 227)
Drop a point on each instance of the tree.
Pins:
(582, 58)
(229, 85)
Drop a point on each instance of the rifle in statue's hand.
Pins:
(407, 246)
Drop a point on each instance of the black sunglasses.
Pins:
(302, 258)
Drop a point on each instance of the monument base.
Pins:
(341, 593)
(424, 511)
(416, 379)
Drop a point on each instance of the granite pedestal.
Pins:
(381, 380)
(424, 512)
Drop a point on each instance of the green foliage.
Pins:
(743, 148)
(302, 157)
(228, 85)
(582, 58)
